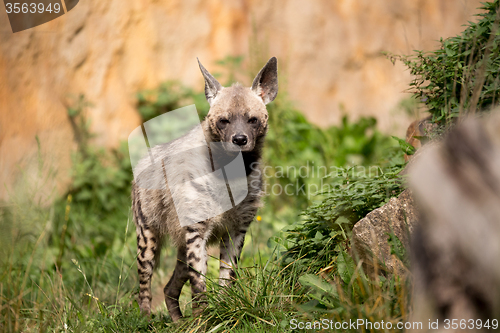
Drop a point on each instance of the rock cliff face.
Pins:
(329, 54)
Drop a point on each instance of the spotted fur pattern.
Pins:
(234, 110)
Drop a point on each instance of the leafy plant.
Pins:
(99, 176)
(350, 194)
(462, 76)
(407, 148)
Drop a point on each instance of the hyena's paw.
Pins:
(145, 307)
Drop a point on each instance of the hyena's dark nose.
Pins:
(240, 140)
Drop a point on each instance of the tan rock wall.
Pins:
(329, 58)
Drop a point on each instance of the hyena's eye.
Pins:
(223, 121)
(252, 120)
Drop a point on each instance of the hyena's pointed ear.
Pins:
(265, 83)
(212, 86)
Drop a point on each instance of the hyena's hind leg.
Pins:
(174, 286)
(148, 249)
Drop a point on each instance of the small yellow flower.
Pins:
(89, 295)
(259, 218)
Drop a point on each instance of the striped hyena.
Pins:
(237, 116)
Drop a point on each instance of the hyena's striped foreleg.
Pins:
(147, 247)
(230, 250)
(174, 286)
(196, 258)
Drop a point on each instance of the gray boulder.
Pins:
(370, 235)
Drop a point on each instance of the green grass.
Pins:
(88, 293)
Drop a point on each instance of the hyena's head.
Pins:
(238, 114)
